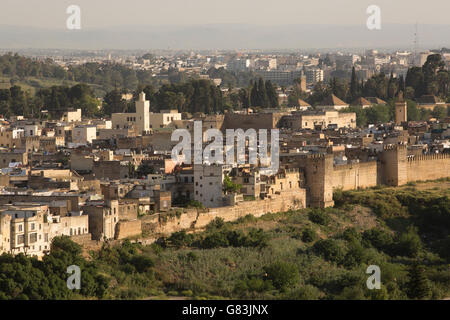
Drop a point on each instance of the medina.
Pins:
(213, 153)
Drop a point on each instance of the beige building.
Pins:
(13, 156)
(140, 120)
(208, 184)
(29, 228)
(103, 218)
(322, 119)
(72, 116)
(84, 134)
(164, 118)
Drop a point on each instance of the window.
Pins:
(32, 226)
(20, 228)
(20, 239)
(33, 237)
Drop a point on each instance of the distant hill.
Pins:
(222, 36)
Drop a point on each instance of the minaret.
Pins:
(400, 109)
(142, 114)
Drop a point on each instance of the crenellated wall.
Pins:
(428, 167)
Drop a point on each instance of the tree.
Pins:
(413, 111)
(229, 186)
(113, 102)
(244, 98)
(272, 95)
(418, 285)
(144, 169)
(354, 92)
(439, 112)
(415, 80)
(262, 94)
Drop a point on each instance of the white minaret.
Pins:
(142, 114)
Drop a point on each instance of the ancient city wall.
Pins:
(355, 175)
(197, 219)
(428, 167)
(82, 239)
(126, 229)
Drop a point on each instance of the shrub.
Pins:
(308, 235)
(319, 216)
(180, 239)
(378, 238)
(142, 263)
(355, 255)
(282, 274)
(307, 292)
(194, 204)
(214, 240)
(216, 224)
(351, 235)
(186, 293)
(409, 243)
(330, 250)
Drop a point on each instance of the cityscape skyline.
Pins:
(226, 37)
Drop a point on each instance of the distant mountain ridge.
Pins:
(222, 36)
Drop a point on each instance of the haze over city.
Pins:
(201, 24)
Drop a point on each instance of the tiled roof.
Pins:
(375, 100)
(332, 100)
(361, 102)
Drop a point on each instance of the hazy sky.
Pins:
(103, 13)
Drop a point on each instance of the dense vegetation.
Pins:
(305, 254)
(26, 278)
(107, 76)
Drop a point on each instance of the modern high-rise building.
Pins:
(314, 75)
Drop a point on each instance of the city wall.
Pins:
(126, 229)
(355, 175)
(428, 167)
(165, 224)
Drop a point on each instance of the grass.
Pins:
(189, 272)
